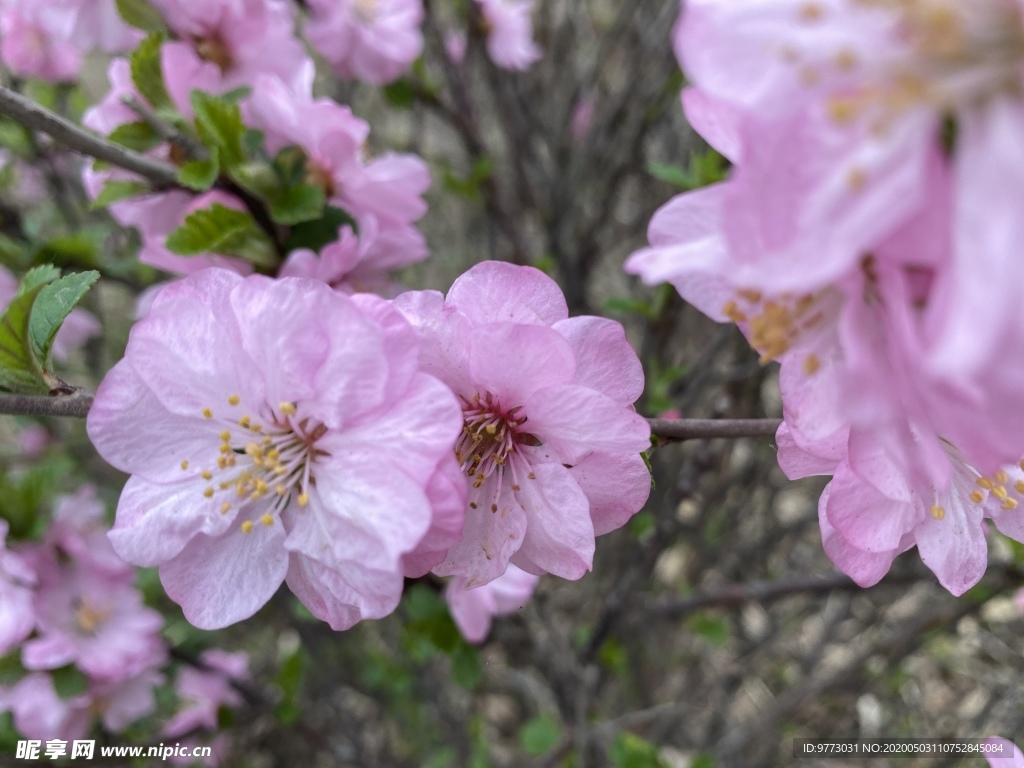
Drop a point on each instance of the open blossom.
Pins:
(473, 609)
(273, 430)
(235, 37)
(370, 40)
(510, 33)
(551, 443)
(204, 692)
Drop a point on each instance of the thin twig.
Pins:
(678, 430)
(165, 130)
(75, 405)
(38, 118)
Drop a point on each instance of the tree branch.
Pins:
(678, 430)
(38, 118)
(75, 405)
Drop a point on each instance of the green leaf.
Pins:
(671, 174)
(11, 669)
(290, 678)
(69, 682)
(219, 229)
(220, 125)
(630, 751)
(141, 15)
(540, 734)
(235, 95)
(200, 175)
(400, 94)
(139, 136)
(19, 371)
(319, 232)
(466, 669)
(147, 74)
(52, 305)
(712, 628)
(117, 190)
(298, 204)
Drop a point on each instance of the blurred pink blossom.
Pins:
(370, 40)
(1003, 753)
(473, 609)
(510, 33)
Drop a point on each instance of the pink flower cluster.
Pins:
(69, 600)
(279, 430)
(49, 38)
(866, 239)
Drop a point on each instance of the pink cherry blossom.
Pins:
(370, 40)
(383, 194)
(1003, 753)
(273, 430)
(91, 619)
(17, 582)
(78, 327)
(235, 36)
(473, 609)
(35, 41)
(205, 691)
(551, 442)
(39, 713)
(510, 33)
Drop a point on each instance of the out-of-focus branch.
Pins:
(678, 430)
(38, 118)
(75, 405)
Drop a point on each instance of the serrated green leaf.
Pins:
(200, 175)
(219, 229)
(298, 204)
(116, 190)
(220, 125)
(540, 734)
(147, 73)
(52, 305)
(319, 232)
(141, 15)
(19, 371)
(69, 682)
(139, 136)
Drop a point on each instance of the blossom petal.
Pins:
(616, 485)
(494, 291)
(605, 360)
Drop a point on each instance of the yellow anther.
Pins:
(1000, 492)
(280, 469)
(532, 476)
(267, 520)
(240, 489)
(244, 422)
(287, 408)
(303, 499)
(231, 460)
(750, 295)
(1021, 464)
(184, 465)
(938, 512)
(273, 454)
(1019, 486)
(985, 483)
(234, 400)
(207, 413)
(841, 110)
(266, 441)
(207, 474)
(225, 448)
(977, 497)
(1008, 504)
(845, 60)
(225, 507)
(225, 436)
(222, 461)
(253, 450)
(1001, 477)
(208, 493)
(811, 364)
(261, 485)
(247, 526)
(491, 429)
(811, 11)
(281, 490)
(256, 428)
